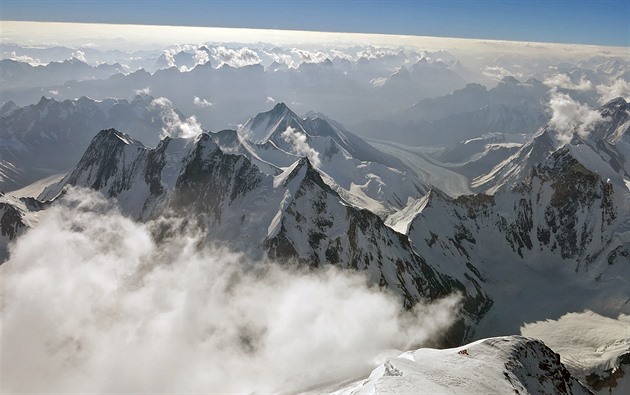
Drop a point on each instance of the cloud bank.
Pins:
(91, 304)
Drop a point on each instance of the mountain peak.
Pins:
(615, 104)
(508, 79)
(115, 136)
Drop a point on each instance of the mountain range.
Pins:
(554, 223)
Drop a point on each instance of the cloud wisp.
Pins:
(299, 142)
(174, 124)
(92, 304)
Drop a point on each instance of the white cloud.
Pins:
(25, 58)
(235, 58)
(309, 56)
(570, 117)
(283, 58)
(201, 56)
(79, 55)
(564, 81)
(498, 72)
(619, 88)
(143, 92)
(91, 304)
(174, 125)
(270, 99)
(203, 103)
(54, 92)
(300, 144)
(170, 59)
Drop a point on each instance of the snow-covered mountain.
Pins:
(293, 215)
(49, 137)
(560, 227)
(361, 174)
(498, 365)
(607, 139)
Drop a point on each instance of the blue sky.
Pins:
(602, 22)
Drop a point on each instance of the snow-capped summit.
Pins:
(269, 125)
(364, 176)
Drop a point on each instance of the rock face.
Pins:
(294, 215)
(500, 365)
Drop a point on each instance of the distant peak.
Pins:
(508, 79)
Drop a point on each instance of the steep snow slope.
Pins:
(501, 365)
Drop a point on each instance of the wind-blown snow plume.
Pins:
(92, 304)
(569, 117)
(174, 126)
(300, 144)
(619, 88)
(235, 58)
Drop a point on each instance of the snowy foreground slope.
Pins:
(500, 365)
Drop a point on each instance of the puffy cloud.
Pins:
(270, 99)
(174, 125)
(235, 58)
(376, 52)
(498, 73)
(299, 142)
(92, 304)
(79, 55)
(564, 81)
(143, 92)
(569, 117)
(309, 56)
(26, 59)
(202, 103)
(619, 88)
(283, 58)
(201, 56)
(170, 58)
